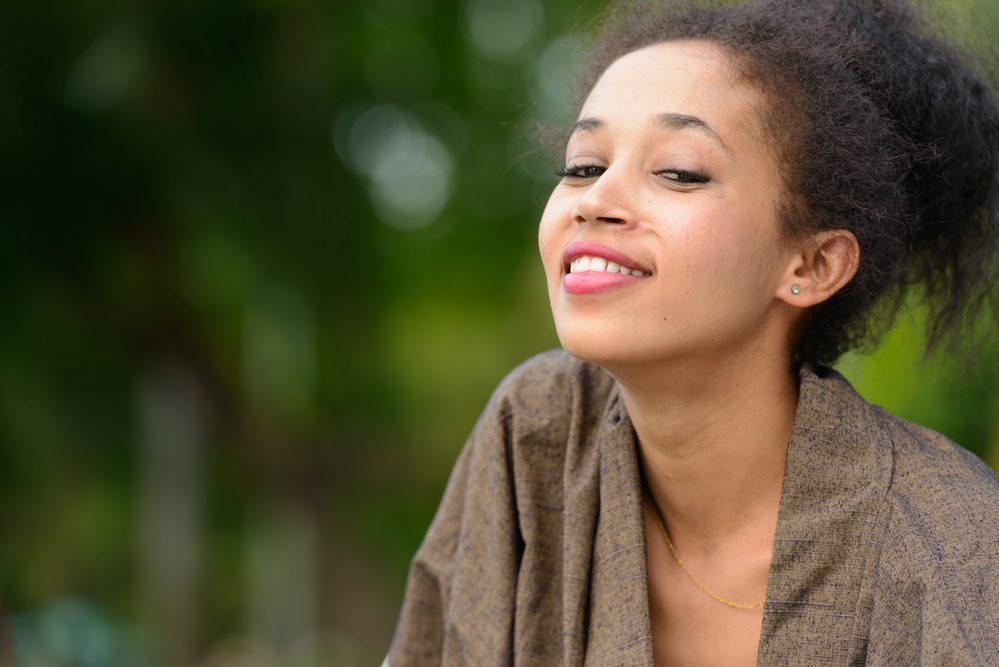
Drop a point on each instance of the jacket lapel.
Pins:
(832, 514)
(619, 627)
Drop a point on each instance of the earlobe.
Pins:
(822, 267)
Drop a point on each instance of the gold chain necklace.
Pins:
(692, 578)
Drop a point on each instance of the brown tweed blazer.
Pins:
(886, 551)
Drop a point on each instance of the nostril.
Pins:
(611, 220)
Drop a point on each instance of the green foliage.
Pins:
(173, 196)
(956, 397)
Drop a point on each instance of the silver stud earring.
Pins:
(795, 289)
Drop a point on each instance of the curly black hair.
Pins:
(882, 128)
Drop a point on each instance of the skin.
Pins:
(702, 347)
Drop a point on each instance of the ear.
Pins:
(824, 264)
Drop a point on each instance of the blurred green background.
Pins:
(262, 263)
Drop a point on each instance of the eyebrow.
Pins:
(586, 125)
(679, 121)
(669, 121)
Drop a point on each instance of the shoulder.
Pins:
(941, 502)
(929, 511)
(550, 388)
(938, 492)
(938, 486)
(555, 374)
(926, 469)
(940, 551)
(543, 404)
(944, 524)
(944, 504)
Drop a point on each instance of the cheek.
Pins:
(551, 231)
(544, 243)
(703, 240)
(727, 248)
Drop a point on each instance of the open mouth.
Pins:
(593, 267)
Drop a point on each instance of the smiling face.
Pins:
(661, 241)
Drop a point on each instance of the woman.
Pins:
(687, 484)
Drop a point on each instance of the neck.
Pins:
(712, 441)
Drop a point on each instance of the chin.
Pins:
(603, 348)
(624, 348)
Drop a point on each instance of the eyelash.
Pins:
(683, 176)
(573, 172)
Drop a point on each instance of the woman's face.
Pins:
(668, 176)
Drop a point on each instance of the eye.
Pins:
(581, 172)
(683, 176)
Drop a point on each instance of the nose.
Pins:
(605, 201)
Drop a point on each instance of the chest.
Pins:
(690, 627)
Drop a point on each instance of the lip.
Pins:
(591, 283)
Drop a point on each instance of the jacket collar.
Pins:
(832, 511)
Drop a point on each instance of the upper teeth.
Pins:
(601, 265)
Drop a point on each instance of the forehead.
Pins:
(694, 78)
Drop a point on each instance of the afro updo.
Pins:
(881, 127)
